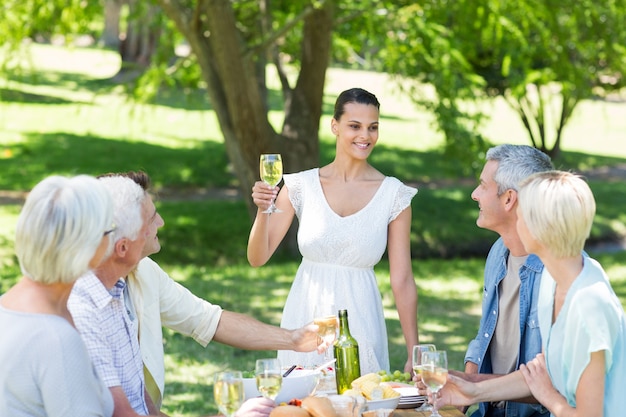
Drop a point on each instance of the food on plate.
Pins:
(371, 390)
(319, 407)
(389, 392)
(371, 377)
(371, 387)
(307, 407)
(395, 376)
(352, 392)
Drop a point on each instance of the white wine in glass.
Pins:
(417, 367)
(325, 317)
(228, 392)
(271, 169)
(269, 378)
(435, 373)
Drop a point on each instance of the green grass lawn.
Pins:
(70, 119)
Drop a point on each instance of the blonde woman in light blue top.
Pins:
(582, 370)
(588, 332)
(582, 322)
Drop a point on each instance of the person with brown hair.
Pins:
(348, 214)
(121, 308)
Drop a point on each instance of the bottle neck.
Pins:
(344, 329)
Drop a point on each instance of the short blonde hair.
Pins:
(60, 228)
(558, 208)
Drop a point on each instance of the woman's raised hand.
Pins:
(263, 194)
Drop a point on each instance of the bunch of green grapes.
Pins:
(395, 376)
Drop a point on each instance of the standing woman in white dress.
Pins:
(349, 213)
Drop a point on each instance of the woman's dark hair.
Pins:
(354, 95)
(140, 177)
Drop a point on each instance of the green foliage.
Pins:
(23, 19)
(423, 53)
(467, 49)
(544, 57)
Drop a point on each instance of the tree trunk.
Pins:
(140, 41)
(111, 32)
(236, 92)
(303, 112)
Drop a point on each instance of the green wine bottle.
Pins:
(346, 348)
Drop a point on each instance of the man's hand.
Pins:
(306, 339)
(457, 392)
(419, 384)
(423, 389)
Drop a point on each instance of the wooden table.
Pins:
(445, 412)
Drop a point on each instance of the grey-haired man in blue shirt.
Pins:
(509, 331)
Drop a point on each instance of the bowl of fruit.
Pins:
(378, 394)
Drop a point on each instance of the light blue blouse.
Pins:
(591, 319)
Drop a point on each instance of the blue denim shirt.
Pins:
(530, 338)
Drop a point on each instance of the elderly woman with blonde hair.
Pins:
(62, 231)
(582, 368)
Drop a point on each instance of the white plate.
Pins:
(414, 404)
(409, 397)
(407, 391)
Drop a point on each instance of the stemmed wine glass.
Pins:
(325, 316)
(228, 392)
(434, 374)
(271, 168)
(417, 368)
(269, 377)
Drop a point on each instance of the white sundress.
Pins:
(338, 259)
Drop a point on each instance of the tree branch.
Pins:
(518, 106)
(282, 31)
(178, 13)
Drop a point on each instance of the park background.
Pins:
(63, 113)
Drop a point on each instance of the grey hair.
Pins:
(515, 163)
(128, 198)
(60, 228)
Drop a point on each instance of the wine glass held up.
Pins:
(325, 317)
(269, 378)
(271, 169)
(435, 373)
(228, 392)
(417, 368)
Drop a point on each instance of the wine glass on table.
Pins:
(417, 368)
(325, 317)
(271, 169)
(434, 374)
(228, 392)
(269, 378)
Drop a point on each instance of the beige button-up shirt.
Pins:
(159, 302)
